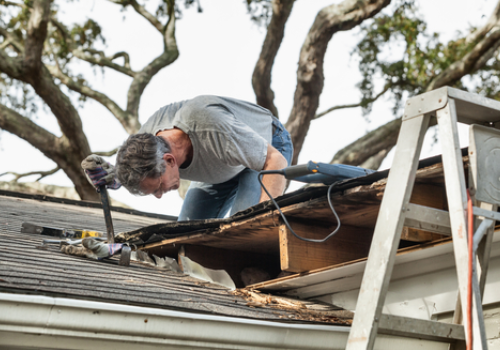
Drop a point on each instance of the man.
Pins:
(218, 143)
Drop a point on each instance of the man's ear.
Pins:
(169, 159)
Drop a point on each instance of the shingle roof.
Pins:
(27, 267)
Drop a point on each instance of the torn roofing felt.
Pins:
(156, 233)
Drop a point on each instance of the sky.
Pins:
(218, 50)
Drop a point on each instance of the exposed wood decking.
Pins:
(262, 231)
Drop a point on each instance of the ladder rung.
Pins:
(421, 329)
(428, 219)
(493, 215)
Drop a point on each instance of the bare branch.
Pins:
(126, 58)
(130, 124)
(123, 118)
(169, 55)
(89, 55)
(108, 153)
(354, 105)
(11, 40)
(142, 11)
(42, 174)
(104, 61)
(261, 78)
(310, 78)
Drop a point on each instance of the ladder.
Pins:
(448, 106)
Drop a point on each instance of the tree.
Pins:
(426, 64)
(37, 53)
(422, 67)
(35, 58)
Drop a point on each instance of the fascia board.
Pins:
(28, 321)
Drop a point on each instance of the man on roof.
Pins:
(218, 143)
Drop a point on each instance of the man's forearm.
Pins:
(274, 183)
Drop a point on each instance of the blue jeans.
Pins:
(206, 201)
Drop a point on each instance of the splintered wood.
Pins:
(303, 309)
(266, 234)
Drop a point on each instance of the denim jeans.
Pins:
(206, 201)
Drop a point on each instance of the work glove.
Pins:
(99, 172)
(93, 249)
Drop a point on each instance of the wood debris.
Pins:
(301, 309)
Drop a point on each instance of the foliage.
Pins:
(398, 49)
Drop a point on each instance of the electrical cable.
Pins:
(281, 172)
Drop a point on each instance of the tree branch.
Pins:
(108, 153)
(481, 32)
(142, 11)
(42, 174)
(11, 3)
(310, 78)
(130, 124)
(464, 66)
(261, 78)
(377, 142)
(11, 40)
(88, 55)
(36, 34)
(354, 105)
(60, 150)
(104, 61)
(169, 55)
(386, 135)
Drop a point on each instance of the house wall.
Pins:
(491, 321)
(424, 288)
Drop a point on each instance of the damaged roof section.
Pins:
(258, 238)
(29, 267)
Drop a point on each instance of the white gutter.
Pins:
(56, 323)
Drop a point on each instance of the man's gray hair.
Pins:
(140, 156)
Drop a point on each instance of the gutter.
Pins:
(43, 322)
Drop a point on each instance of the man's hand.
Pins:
(274, 183)
(99, 172)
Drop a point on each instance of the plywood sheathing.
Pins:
(357, 207)
(263, 232)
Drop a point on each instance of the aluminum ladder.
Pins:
(448, 106)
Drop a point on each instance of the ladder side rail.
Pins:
(387, 233)
(484, 248)
(478, 326)
(457, 205)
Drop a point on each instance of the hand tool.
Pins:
(125, 256)
(107, 213)
(313, 172)
(27, 227)
(67, 241)
(324, 173)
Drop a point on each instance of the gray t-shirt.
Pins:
(227, 135)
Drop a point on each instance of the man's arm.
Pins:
(274, 183)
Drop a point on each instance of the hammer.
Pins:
(107, 213)
(125, 254)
